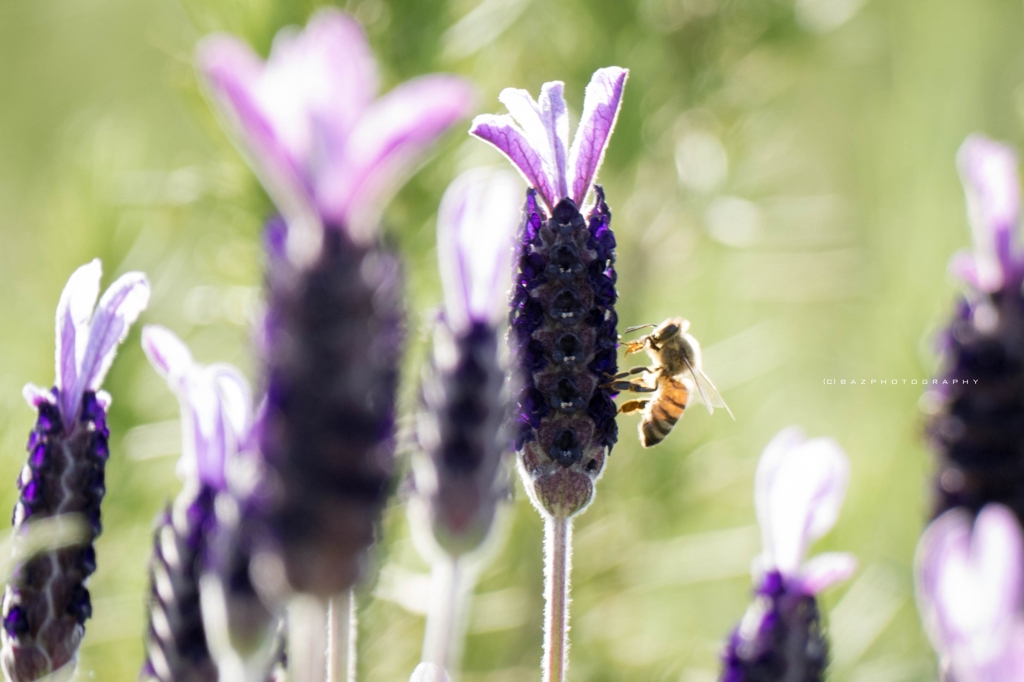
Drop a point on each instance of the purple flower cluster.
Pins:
(978, 430)
(216, 416)
(799, 489)
(47, 602)
(563, 323)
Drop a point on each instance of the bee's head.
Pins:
(673, 326)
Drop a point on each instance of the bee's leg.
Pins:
(631, 372)
(631, 386)
(635, 346)
(631, 406)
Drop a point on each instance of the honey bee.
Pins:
(674, 372)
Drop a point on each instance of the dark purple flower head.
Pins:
(799, 488)
(47, 603)
(969, 577)
(460, 427)
(326, 148)
(330, 155)
(217, 418)
(978, 427)
(563, 325)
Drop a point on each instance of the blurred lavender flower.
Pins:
(47, 603)
(563, 320)
(464, 403)
(799, 488)
(330, 155)
(216, 417)
(978, 429)
(458, 468)
(969, 593)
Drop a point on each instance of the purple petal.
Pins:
(216, 406)
(600, 110)
(73, 312)
(36, 395)
(988, 170)
(502, 132)
(799, 493)
(317, 84)
(556, 122)
(768, 467)
(120, 306)
(385, 145)
(167, 353)
(825, 570)
(232, 72)
(969, 584)
(475, 223)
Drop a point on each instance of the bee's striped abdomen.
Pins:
(663, 411)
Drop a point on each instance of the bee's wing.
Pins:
(709, 395)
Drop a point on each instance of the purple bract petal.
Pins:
(216, 406)
(555, 116)
(600, 111)
(316, 85)
(73, 312)
(823, 571)
(232, 72)
(120, 306)
(475, 223)
(386, 144)
(36, 395)
(969, 592)
(502, 132)
(799, 489)
(988, 170)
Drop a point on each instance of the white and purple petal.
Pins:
(232, 73)
(73, 313)
(387, 143)
(823, 571)
(555, 116)
(969, 585)
(316, 85)
(502, 132)
(119, 307)
(988, 170)
(799, 490)
(475, 223)
(600, 111)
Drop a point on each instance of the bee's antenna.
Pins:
(630, 330)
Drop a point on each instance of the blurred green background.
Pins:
(782, 174)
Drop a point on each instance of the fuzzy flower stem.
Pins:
(557, 567)
(446, 616)
(343, 629)
(307, 639)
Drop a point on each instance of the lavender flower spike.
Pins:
(563, 320)
(47, 603)
(975, 430)
(799, 488)
(216, 411)
(461, 426)
(969, 592)
(330, 155)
